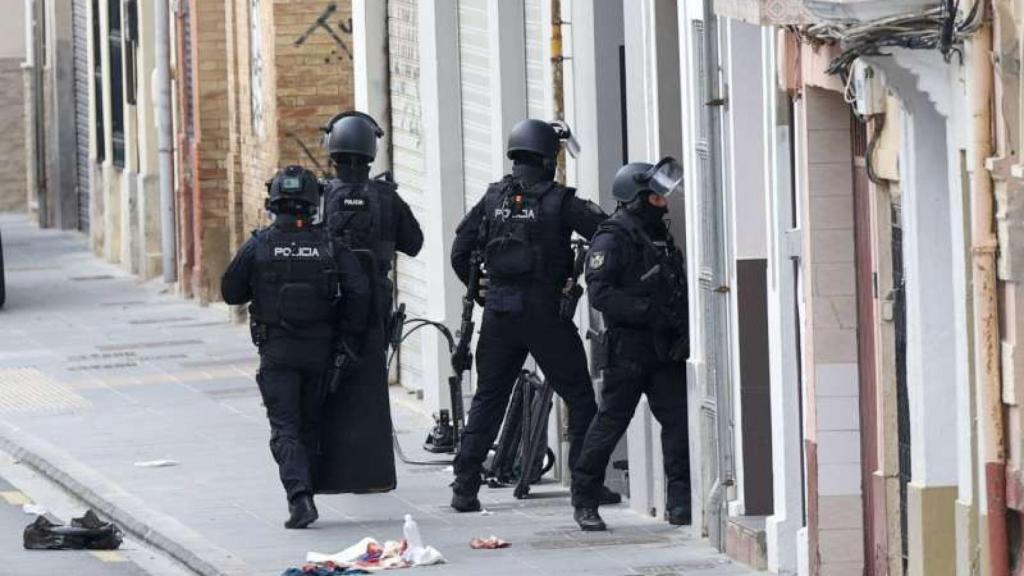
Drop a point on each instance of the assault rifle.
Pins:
(672, 271)
(462, 357)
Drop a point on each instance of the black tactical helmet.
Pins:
(625, 187)
(352, 133)
(637, 178)
(533, 137)
(293, 189)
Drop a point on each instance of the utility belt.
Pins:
(261, 332)
(633, 348)
(516, 296)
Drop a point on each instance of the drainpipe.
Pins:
(986, 306)
(39, 39)
(165, 140)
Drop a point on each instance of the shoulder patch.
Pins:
(597, 260)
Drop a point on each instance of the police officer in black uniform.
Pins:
(523, 226)
(636, 278)
(306, 295)
(367, 213)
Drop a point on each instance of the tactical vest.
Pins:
(296, 285)
(525, 239)
(644, 254)
(361, 215)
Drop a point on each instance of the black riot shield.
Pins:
(356, 455)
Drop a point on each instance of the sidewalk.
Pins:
(99, 371)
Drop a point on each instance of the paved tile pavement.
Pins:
(99, 371)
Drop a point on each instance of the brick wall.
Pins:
(213, 134)
(301, 81)
(254, 100)
(12, 146)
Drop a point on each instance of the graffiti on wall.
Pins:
(323, 23)
(256, 67)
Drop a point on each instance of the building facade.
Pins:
(851, 219)
(13, 195)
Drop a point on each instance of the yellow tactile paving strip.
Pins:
(15, 498)
(108, 556)
(29, 390)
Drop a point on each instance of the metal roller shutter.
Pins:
(408, 166)
(475, 73)
(536, 64)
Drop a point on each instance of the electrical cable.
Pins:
(936, 28)
(417, 324)
(869, 156)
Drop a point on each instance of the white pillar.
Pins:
(787, 466)
(370, 66)
(506, 23)
(932, 318)
(597, 118)
(442, 182)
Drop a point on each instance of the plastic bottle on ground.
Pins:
(412, 533)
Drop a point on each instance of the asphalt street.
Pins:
(16, 561)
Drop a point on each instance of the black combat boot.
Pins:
(609, 496)
(464, 503)
(303, 512)
(679, 515)
(589, 520)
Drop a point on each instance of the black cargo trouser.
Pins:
(625, 380)
(291, 381)
(506, 338)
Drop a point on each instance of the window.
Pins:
(131, 47)
(117, 97)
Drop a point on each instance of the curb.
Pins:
(103, 496)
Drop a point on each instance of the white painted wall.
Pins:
(13, 34)
(787, 446)
(746, 183)
(443, 178)
(935, 312)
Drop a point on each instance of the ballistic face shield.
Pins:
(664, 178)
(572, 146)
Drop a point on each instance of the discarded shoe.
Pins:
(463, 503)
(85, 533)
(303, 512)
(608, 496)
(589, 520)
(679, 515)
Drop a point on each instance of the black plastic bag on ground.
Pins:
(85, 533)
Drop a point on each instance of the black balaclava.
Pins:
(351, 169)
(291, 214)
(653, 217)
(532, 168)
